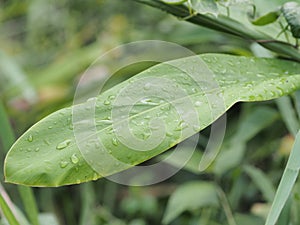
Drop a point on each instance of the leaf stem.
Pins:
(227, 25)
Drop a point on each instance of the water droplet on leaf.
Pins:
(147, 86)
(198, 103)
(106, 102)
(64, 164)
(115, 141)
(63, 144)
(30, 138)
(74, 158)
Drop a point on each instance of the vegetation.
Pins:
(221, 124)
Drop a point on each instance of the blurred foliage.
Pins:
(45, 46)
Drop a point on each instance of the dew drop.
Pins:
(115, 142)
(74, 158)
(50, 127)
(196, 128)
(106, 102)
(63, 144)
(104, 121)
(64, 164)
(147, 86)
(30, 138)
(111, 97)
(145, 135)
(95, 176)
(182, 125)
(110, 130)
(47, 142)
(37, 149)
(92, 99)
(169, 134)
(148, 101)
(198, 103)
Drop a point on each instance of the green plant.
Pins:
(51, 153)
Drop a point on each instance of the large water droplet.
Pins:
(64, 164)
(30, 138)
(74, 158)
(63, 144)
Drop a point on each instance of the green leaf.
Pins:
(288, 114)
(192, 165)
(262, 181)
(205, 7)
(286, 184)
(232, 154)
(113, 136)
(291, 12)
(13, 81)
(248, 219)
(48, 218)
(190, 196)
(11, 218)
(266, 19)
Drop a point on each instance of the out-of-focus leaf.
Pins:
(190, 196)
(288, 114)
(245, 219)
(262, 181)
(13, 82)
(48, 219)
(232, 153)
(291, 12)
(191, 165)
(286, 184)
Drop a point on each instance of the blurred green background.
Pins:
(45, 47)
